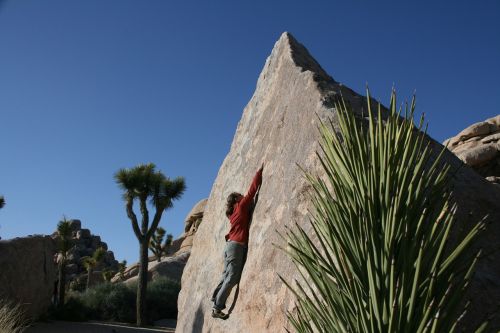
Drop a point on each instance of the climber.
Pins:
(238, 211)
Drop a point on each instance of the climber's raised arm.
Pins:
(256, 182)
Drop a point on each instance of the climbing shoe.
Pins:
(219, 314)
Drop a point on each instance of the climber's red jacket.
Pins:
(241, 214)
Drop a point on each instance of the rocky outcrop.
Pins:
(172, 265)
(279, 127)
(191, 225)
(169, 267)
(478, 146)
(27, 273)
(85, 244)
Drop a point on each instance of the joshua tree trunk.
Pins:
(89, 276)
(62, 284)
(142, 283)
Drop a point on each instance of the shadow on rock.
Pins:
(199, 319)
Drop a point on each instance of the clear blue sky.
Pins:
(88, 87)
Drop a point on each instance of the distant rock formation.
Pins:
(85, 244)
(27, 273)
(478, 146)
(172, 265)
(279, 126)
(191, 225)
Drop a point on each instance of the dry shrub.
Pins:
(12, 319)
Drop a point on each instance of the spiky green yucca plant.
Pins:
(382, 218)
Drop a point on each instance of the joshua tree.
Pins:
(121, 268)
(107, 275)
(91, 262)
(156, 246)
(143, 183)
(379, 258)
(168, 243)
(64, 245)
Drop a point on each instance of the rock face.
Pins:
(85, 244)
(172, 265)
(27, 273)
(279, 127)
(478, 146)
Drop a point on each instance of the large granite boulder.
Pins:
(27, 273)
(478, 146)
(279, 127)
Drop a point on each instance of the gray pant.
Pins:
(234, 258)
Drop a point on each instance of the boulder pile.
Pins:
(478, 146)
(85, 244)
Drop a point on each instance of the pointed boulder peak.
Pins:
(303, 58)
(288, 48)
(290, 60)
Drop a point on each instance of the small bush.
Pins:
(73, 310)
(117, 302)
(11, 318)
(110, 302)
(120, 304)
(162, 298)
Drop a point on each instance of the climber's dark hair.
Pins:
(231, 200)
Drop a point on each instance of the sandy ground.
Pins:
(96, 327)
